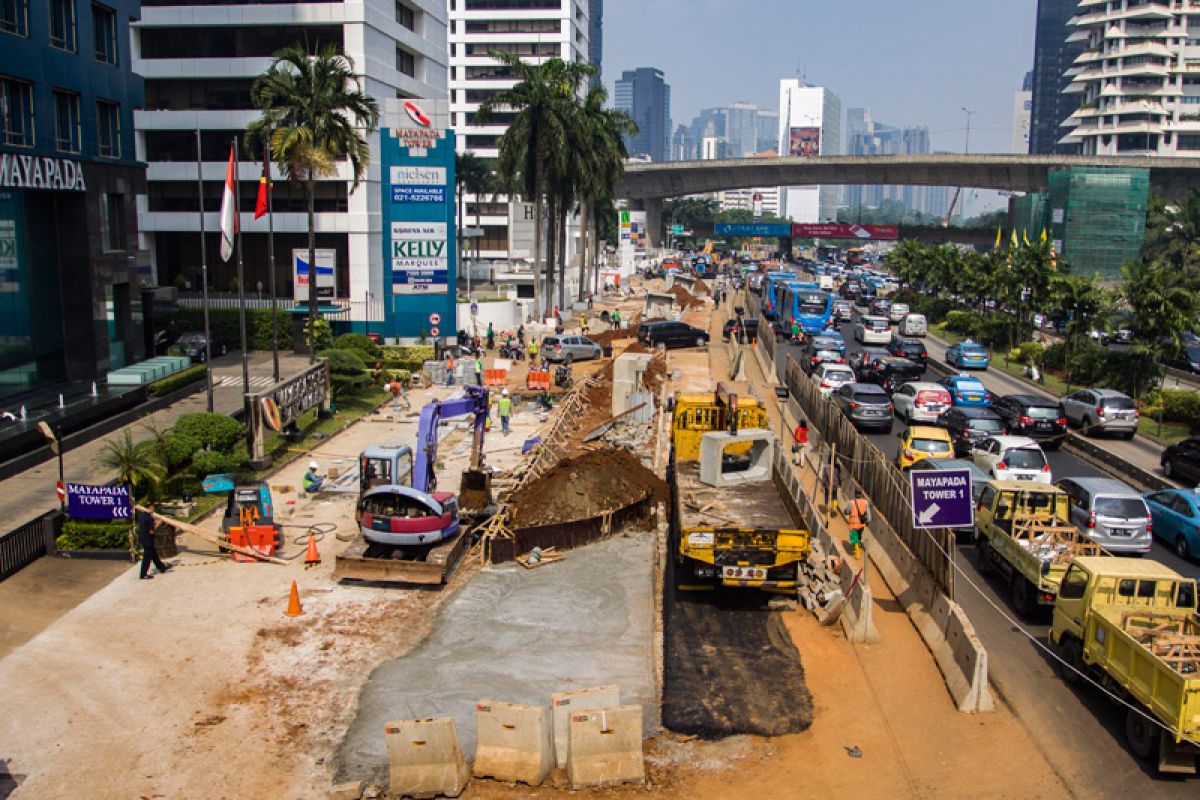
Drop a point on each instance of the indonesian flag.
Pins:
(264, 185)
(229, 217)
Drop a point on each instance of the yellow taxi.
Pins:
(923, 441)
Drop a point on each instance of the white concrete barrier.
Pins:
(567, 703)
(514, 742)
(425, 758)
(605, 747)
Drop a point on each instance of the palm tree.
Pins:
(472, 175)
(1163, 305)
(1173, 233)
(136, 465)
(314, 112)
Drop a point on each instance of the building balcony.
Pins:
(166, 68)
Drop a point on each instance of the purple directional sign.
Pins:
(942, 498)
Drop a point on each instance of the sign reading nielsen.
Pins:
(418, 184)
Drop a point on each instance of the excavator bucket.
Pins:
(475, 492)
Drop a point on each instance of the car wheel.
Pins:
(1168, 470)
(700, 341)
(568, 358)
(1181, 547)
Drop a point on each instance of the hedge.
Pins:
(177, 381)
(1176, 405)
(223, 323)
(415, 353)
(87, 535)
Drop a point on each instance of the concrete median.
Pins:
(567, 703)
(514, 742)
(425, 759)
(605, 747)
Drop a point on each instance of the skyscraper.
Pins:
(768, 130)
(741, 130)
(1055, 49)
(646, 98)
(1022, 116)
(596, 37)
(810, 125)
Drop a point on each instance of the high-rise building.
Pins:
(71, 272)
(596, 37)
(1136, 80)
(646, 98)
(682, 146)
(768, 131)
(741, 130)
(810, 125)
(1022, 115)
(199, 60)
(1055, 49)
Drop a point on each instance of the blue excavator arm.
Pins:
(475, 402)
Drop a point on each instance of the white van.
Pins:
(913, 325)
(825, 282)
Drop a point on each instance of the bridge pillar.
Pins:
(653, 206)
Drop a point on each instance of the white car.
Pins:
(897, 311)
(831, 377)
(1012, 458)
(921, 401)
(873, 330)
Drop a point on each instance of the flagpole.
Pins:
(208, 384)
(271, 263)
(241, 278)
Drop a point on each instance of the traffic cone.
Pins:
(311, 557)
(294, 609)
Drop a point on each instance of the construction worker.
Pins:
(504, 409)
(145, 528)
(312, 479)
(796, 332)
(396, 389)
(858, 516)
(521, 334)
(615, 319)
(478, 371)
(491, 337)
(800, 441)
(583, 324)
(533, 353)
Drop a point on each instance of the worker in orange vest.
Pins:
(858, 516)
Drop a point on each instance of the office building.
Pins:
(768, 131)
(1136, 79)
(763, 199)
(810, 125)
(682, 145)
(71, 304)
(741, 130)
(646, 98)
(1022, 115)
(867, 137)
(1055, 50)
(596, 38)
(200, 61)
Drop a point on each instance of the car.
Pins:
(1175, 514)
(828, 341)
(872, 330)
(866, 296)
(1181, 461)
(811, 357)
(880, 306)
(192, 345)
(967, 390)
(671, 333)
(1032, 416)
(892, 372)
(969, 425)
(897, 311)
(1110, 512)
(923, 441)
(836, 335)
(862, 361)
(1012, 458)
(849, 290)
(914, 325)
(1101, 410)
(865, 405)
(842, 311)
(1119, 336)
(830, 377)
(968, 355)
(162, 342)
(749, 323)
(920, 401)
(912, 349)
(1188, 358)
(567, 349)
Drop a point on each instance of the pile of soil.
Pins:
(586, 486)
(685, 298)
(609, 336)
(701, 286)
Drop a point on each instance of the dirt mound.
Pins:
(685, 298)
(586, 486)
(610, 336)
(701, 286)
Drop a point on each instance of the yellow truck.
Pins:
(1132, 626)
(1023, 531)
(697, 414)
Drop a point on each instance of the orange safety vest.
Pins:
(858, 511)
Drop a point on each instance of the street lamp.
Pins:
(969, 113)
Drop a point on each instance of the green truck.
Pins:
(1132, 626)
(1024, 533)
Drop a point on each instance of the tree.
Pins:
(1163, 305)
(347, 371)
(314, 112)
(136, 464)
(472, 175)
(1173, 234)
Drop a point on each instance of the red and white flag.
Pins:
(229, 216)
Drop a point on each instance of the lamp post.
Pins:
(967, 144)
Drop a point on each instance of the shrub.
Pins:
(207, 462)
(964, 323)
(408, 353)
(935, 309)
(223, 322)
(993, 332)
(360, 342)
(1055, 356)
(346, 371)
(80, 534)
(213, 431)
(318, 334)
(1176, 405)
(1030, 352)
(177, 381)
(178, 449)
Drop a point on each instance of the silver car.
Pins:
(1101, 410)
(1110, 512)
(566, 349)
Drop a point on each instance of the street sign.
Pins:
(435, 318)
(942, 498)
(61, 490)
(472, 233)
(676, 230)
(98, 502)
(434, 331)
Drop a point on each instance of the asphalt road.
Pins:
(1080, 729)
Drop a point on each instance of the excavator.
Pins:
(413, 532)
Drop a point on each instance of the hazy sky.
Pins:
(910, 62)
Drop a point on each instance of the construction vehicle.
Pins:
(245, 505)
(410, 531)
(730, 526)
(1132, 625)
(1023, 531)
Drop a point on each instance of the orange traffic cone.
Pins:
(294, 609)
(312, 558)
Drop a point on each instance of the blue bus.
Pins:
(770, 295)
(807, 304)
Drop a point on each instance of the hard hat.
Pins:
(313, 465)
(504, 392)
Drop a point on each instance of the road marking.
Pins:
(256, 381)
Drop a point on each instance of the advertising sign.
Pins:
(778, 229)
(98, 502)
(830, 230)
(805, 142)
(521, 229)
(418, 184)
(942, 499)
(326, 274)
(420, 258)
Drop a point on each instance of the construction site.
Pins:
(462, 611)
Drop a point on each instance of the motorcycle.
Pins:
(562, 376)
(513, 352)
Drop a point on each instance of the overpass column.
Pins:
(653, 206)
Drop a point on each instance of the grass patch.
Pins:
(1166, 434)
(204, 504)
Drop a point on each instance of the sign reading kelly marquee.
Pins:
(40, 172)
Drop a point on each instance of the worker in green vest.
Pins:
(478, 371)
(504, 409)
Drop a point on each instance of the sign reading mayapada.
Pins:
(40, 172)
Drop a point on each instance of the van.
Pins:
(825, 282)
(1110, 512)
(914, 325)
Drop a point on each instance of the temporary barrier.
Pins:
(538, 379)
(515, 742)
(605, 747)
(495, 377)
(567, 703)
(424, 758)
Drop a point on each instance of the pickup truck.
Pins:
(1023, 532)
(1132, 626)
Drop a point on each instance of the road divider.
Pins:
(425, 758)
(514, 742)
(567, 703)
(605, 747)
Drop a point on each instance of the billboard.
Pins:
(804, 142)
(326, 273)
(98, 502)
(420, 257)
(830, 230)
(414, 184)
(778, 229)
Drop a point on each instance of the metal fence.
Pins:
(879, 478)
(28, 543)
(350, 309)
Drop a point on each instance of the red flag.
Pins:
(264, 186)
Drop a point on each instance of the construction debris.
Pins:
(585, 486)
(537, 557)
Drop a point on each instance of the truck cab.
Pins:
(697, 414)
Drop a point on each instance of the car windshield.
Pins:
(878, 324)
(827, 344)
(1119, 403)
(970, 386)
(930, 445)
(827, 355)
(1121, 507)
(985, 424)
(191, 338)
(871, 398)
(1042, 412)
(1025, 458)
(843, 375)
(973, 349)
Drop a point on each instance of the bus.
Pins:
(770, 296)
(855, 256)
(807, 304)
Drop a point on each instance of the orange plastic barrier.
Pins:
(262, 538)
(495, 377)
(538, 379)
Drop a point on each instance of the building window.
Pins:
(112, 222)
(104, 32)
(108, 128)
(62, 24)
(17, 111)
(66, 121)
(406, 16)
(1188, 141)
(14, 17)
(406, 62)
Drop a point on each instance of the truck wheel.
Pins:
(1070, 650)
(983, 556)
(1140, 734)
(1021, 595)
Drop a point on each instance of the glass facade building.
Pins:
(1053, 55)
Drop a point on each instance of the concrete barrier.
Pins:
(514, 742)
(605, 747)
(425, 758)
(567, 703)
